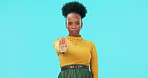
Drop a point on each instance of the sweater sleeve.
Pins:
(94, 62)
(56, 44)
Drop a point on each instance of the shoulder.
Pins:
(89, 42)
(57, 40)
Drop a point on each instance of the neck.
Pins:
(74, 35)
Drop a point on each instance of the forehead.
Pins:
(73, 17)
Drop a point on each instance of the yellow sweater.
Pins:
(80, 51)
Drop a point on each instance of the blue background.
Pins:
(28, 28)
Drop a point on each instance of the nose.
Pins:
(73, 27)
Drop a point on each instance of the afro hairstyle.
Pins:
(74, 7)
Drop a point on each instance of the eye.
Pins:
(69, 23)
(77, 23)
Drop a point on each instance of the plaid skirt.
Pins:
(75, 73)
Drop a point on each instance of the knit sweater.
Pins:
(80, 51)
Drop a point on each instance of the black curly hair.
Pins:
(74, 7)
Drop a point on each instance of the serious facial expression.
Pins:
(73, 24)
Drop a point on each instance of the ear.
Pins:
(81, 24)
(66, 25)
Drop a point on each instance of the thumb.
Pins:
(68, 45)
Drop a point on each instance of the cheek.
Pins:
(67, 26)
(80, 26)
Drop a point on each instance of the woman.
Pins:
(76, 54)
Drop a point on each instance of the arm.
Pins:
(56, 44)
(94, 62)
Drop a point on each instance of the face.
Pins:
(73, 24)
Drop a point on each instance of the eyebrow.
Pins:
(76, 20)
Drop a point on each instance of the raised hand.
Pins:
(63, 46)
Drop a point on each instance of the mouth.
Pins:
(73, 30)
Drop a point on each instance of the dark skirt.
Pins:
(75, 73)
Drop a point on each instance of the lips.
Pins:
(73, 31)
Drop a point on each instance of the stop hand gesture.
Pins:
(63, 46)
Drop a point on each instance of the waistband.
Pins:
(75, 66)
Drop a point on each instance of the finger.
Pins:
(62, 40)
(67, 45)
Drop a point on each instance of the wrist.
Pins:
(62, 52)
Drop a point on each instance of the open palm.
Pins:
(63, 46)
